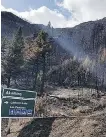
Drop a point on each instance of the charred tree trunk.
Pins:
(97, 89)
(43, 75)
(8, 81)
(79, 79)
(35, 76)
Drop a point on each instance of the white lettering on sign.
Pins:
(16, 93)
(23, 103)
(8, 92)
(19, 107)
(11, 106)
(6, 102)
(16, 107)
(15, 103)
(13, 93)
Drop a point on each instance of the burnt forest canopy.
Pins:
(68, 57)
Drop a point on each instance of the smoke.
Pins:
(93, 65)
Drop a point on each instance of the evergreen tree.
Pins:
(44, 48)
(49, 28)
(4, 50)
(49, 25)
(14, 59)
(3, 45)
(38, 53)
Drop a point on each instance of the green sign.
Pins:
(17, 103)
(18, 93)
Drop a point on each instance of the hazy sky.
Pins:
(61, 13)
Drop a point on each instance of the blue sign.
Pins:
(29, 112)
(24, 112)
(11, 111)
(17, 112)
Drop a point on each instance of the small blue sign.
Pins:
(11, 111)
(29, 112)
(17, 111)
(24, 112)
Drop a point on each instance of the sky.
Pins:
(61, 13)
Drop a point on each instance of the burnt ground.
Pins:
(73, 114)
(88, 126)
(66, 127)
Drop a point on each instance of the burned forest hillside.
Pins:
(77, 56)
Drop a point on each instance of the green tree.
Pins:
(3, 46)
(4, 51)
(44, 47)
(38, 53)
(14, 60)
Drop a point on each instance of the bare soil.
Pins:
(66, 113)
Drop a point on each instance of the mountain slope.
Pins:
(10, 23)
(86, 42)
(78, 40)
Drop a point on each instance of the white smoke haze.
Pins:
(80, 11)
(87, 62)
